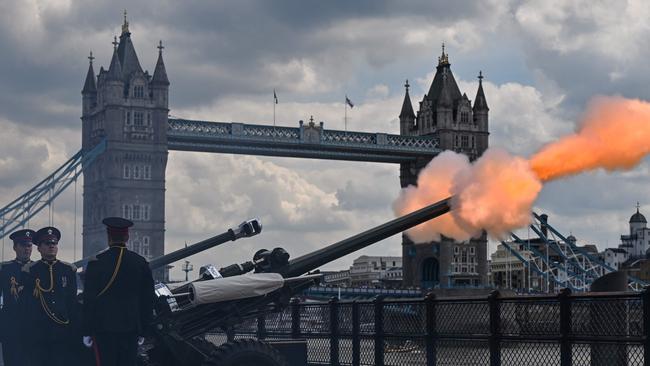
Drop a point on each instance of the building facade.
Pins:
(372, 271)
(448, 116)
(128, 108)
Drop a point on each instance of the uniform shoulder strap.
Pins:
(28, 266)
(72, 266)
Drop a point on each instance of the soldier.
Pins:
(118, 299)
(13, 317)
(53, 305)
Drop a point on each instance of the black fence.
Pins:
(608, 329)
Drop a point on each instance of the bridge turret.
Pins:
(128, 180)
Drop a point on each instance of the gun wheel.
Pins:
(246, 352)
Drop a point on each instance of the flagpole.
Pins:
(345, 118)
(274, 103)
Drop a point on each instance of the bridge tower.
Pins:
(449, 116)
(129, 108)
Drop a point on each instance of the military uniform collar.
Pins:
(22, 263)
(49, 263)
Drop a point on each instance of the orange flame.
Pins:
(496, 193)
(614, 135)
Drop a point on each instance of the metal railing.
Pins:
(564, 329)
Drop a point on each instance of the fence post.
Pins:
(645, 295)
(261, 326)
(565, 327)
(495, 328)
(356, 335)
(295, 317)
(379, 331)
(334, 331)
(431, 332)
(230, 334)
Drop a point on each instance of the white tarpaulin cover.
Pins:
(235, 287)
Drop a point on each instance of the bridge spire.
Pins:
(160, 73)
(125, 25)
(480, 103)
(89, 84)
(407, 107)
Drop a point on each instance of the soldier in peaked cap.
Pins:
(13, 317)
(52, 302)
(118, 299)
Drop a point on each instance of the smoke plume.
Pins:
(496, 192)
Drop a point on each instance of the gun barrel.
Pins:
(246, 229)
(313, 260)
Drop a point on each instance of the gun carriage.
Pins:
(221, 299)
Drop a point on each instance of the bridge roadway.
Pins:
(309, 140)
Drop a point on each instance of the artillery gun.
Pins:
(234, 294)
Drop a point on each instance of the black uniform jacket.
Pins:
(117, 301)
(13, 317)
(52, 299)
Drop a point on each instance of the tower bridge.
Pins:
(126, 109)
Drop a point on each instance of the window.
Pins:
(136, 212)
(127, 171)
(126, 211)
(147, 172)
(471, 250)
(149, 119)
(464, 141)
(127, 118)
(463, 269)
(145, 212)
(464, 117)
(138, 91)
(463, 257)
(137, 118)
(136, 172)
(136, 246)
(455, 250)
(457, 143)
(145, 246)
(473, 142)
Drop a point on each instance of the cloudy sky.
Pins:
(542, 61)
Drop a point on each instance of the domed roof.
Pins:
(571, 238)
(638, 217)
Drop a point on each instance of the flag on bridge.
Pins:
(349, 102)
(275, 97)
